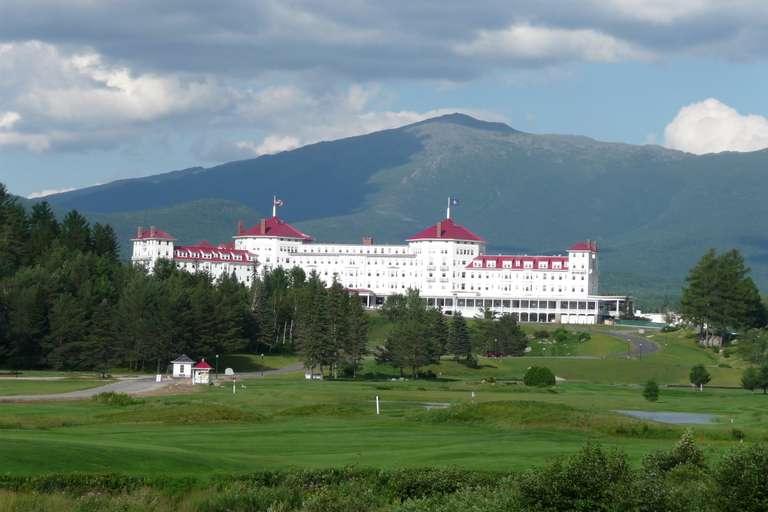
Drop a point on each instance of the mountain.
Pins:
(654, 211)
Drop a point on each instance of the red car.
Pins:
(493, 353)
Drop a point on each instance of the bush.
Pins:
(651, 390)
(723, 365)
(471, 362)
(685, 452)
(540, 334)
(539, 376)
(112, 398)
(740, 480)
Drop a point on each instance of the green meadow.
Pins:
(493, 422)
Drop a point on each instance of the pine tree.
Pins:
(359, 329)
(751, 379)
(651, 390)
(102, 341)
(720, 293)
(44, 230)
(105, 242)
(75, 232)
(459, 342)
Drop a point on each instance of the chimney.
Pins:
(239, 227)
(439, 229)
(141, 232)
(589, 243)
(263, 226)
(367, 240)
(595, 246)
(152, 231)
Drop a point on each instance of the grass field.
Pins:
(14, 387)
(285, 421)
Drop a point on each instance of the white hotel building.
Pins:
(447, 263)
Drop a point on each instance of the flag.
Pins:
(278, 202)
(454, 202)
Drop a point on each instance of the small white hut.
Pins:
(182, 366)
(201, 374)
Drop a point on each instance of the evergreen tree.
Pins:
(338, 318)
(699, 375)
(720, 293)
(459, 342)
(509, 335)
(651, 390)
(75, 232)
(14, 229)
(411, 343)
(315, 345)
(102, 341)
(751, 379)
(105, 242)
(69, 327)
(44, 230)
(359, 329)
(439, 329)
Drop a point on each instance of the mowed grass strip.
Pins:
(18, 387)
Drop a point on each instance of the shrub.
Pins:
(723, 365)
(471, 362)
(740, 480)
(112, 398)
(540, 334)
(737, 433)
(651, 390)
(685, 452)
(539, 376)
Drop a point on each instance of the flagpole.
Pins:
(274, 206)
(448, 215)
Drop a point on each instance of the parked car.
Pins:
(493, 353)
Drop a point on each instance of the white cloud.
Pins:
(53, 98)
(8, 118)
(526, 42)
(712, 127)
(275, 144)
(48, 193)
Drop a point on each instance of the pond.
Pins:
(673, 417)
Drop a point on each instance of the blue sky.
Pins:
(94, 91)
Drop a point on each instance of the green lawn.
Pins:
(15, 387)
(286, 421)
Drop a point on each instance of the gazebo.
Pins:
(201, 374)
(182, 366)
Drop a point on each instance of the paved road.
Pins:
(643, 346)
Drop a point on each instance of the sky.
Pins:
(96, 91)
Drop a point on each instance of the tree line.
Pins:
(420, 335)
(68, 302)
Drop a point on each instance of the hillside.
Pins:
(654, 211)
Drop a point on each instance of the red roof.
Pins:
(203, 365)
(159, 234)
(275, 228)
(581, 246)
(202, 253)
(449, 230)
(230, 245)
(204, 244)
(518, 262)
